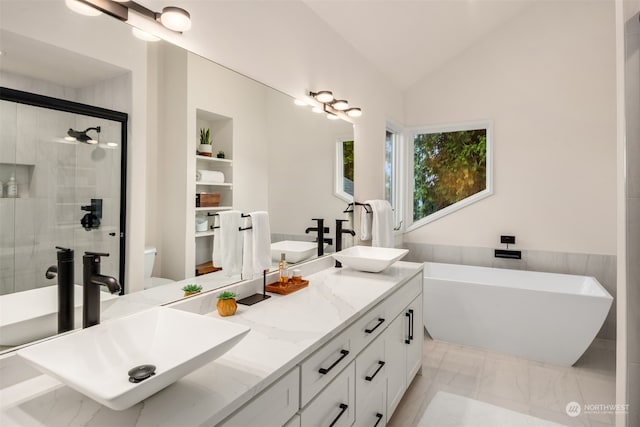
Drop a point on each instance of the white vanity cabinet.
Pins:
(335, 405)
(371, 384)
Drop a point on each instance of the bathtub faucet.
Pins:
(321, 229)
(91, 280)
(339, 232)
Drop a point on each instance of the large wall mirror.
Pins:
(279, 157)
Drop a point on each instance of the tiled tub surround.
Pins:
(285, 330)
(602, 267)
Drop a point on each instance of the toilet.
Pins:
(149, 258)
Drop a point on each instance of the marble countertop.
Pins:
(284, 331)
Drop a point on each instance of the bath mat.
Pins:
(451, 410)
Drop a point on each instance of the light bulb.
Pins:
(175, 18)
(69, 138)
(340, 104)
(82, 8)
(354, 112)
(324, 96)
(112, 144)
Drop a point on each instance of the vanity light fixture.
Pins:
(324, 101)
(173, 18)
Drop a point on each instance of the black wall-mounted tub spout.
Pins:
(64, 272)
(339, 232)
(321, 229)
(91, 282)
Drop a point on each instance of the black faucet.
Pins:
(339, 232)
(91, 280)
(321, 229)
(64, 272)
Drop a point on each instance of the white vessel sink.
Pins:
(96, 360)
(294, 250)
(32, 315)
(370, 259)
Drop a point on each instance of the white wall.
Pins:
(547, 80)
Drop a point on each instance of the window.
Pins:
(451, 169)
(344, 170)
(392, 182)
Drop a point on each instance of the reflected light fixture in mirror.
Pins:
(172, 18)
(335, 108)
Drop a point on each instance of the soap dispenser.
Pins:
(12, 186)
(283, 269)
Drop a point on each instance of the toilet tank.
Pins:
(149, 259)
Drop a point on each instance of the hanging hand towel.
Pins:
(230, 242)
(366, 220)
(257, 246)
(382, 224)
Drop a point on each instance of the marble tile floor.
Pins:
(532, 388)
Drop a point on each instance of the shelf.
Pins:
(217, 184)
(215, 208)
(214, 159)
(204, 233)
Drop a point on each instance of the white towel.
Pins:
(366, 222)
(382, 223)
(256, 253)
(203, 175)
(227, 243)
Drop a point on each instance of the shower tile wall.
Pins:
(602, 267)
(55, 179)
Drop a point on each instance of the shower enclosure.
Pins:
(70, 188)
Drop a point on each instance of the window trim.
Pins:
(398, 179)
(338, 174)
(488, 191)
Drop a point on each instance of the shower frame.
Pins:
(36, 100)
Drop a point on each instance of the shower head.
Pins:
(82, 136)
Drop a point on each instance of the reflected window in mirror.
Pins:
(344, 169)
(392, 181)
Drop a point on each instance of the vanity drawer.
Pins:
(273, 407)
(370, 326)
(335, 405)
(370, 369)
(323, 365)
(371, 411)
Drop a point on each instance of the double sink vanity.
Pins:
(340, 352)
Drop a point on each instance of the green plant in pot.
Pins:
(191, 289)
(227, 304)
(220, 154)
(205, 147)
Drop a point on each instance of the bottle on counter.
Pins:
(12, 186)
(283, 269)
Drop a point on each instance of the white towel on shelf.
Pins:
(203, 175)
(381, 224)
(256, 253)
(366, 222)
(228, 248)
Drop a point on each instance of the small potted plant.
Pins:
(220, 154)
(205, 148)
(191, 290)
(227, 304)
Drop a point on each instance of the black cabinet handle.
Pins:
(343, 408)
(379, 417)
(408, 340)
(411, 326)
(380, 322)
(326, 371)
(380, 365)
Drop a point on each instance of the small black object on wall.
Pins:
(508, 253)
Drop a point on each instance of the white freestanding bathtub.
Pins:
(539, 316)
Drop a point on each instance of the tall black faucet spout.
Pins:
(91, 282)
